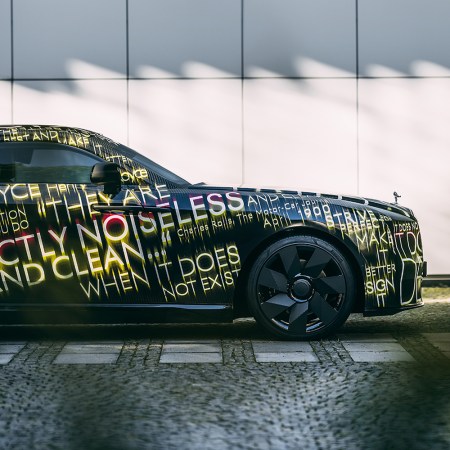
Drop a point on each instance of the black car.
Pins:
(93, 231)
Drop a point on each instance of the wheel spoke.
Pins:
(298, 318)
(319, 259)
(330, 285)
(276, 305)
(272, 279)
(322, 309)
(290, 260)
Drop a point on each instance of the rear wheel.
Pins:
(301, 287)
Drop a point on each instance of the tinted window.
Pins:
(34, 163)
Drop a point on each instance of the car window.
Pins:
(35, 163)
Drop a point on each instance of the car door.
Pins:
(80, 245)
(47, 191)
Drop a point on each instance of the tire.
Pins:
(301, 288)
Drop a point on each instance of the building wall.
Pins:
(349, 96)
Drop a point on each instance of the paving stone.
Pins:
(391, 356)
(376, 351)
(359, 337)
(190, 341)
(280, 346)
(437, 337)
(5, 358)
(286, 357)
(442, 346)
(11, 348)
(233, 352)
(86, 358)
(192, 347)
(96, 342)
(174, 357)
(92, 348)
(441, 341)
(372, 346)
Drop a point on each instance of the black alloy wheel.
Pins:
(301, 287)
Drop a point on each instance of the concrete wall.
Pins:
(349, 96)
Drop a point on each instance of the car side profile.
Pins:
(93, 231)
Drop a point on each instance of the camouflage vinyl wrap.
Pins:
(56, 247)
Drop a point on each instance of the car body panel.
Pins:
(160, 243)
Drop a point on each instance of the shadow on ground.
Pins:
(434, 317)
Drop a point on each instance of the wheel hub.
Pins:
(301, 289)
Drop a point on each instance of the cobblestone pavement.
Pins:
(381, 383)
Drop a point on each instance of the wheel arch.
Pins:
(346, 246)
